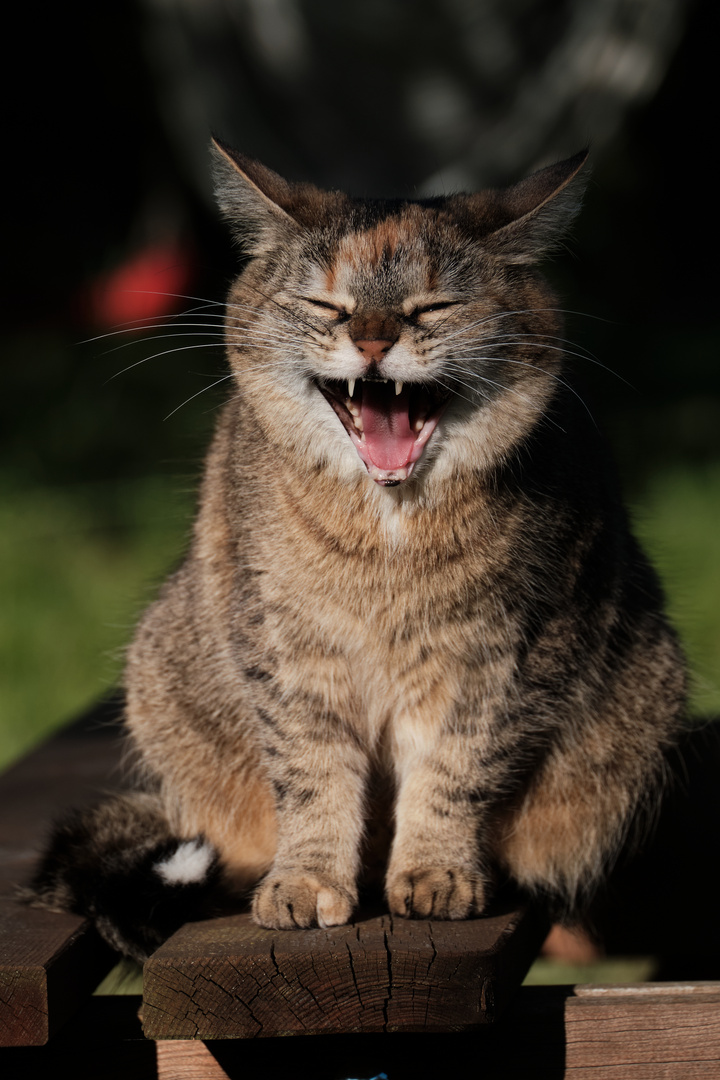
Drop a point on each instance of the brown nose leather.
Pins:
(374, 350)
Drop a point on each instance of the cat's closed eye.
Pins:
(328, 310)
(432, 309)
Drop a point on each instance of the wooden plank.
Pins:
(184, 1059)
(547, 1033)
(49, 962)
(645, 1032)
(229, 979)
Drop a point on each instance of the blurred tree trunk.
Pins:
(383, 95)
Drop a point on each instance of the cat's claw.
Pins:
(298, 901)
(435, 893)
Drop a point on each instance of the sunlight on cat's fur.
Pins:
(413, 641)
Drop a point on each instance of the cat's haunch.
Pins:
(413, 633)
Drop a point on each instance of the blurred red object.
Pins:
(149, 284)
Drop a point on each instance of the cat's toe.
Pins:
(299, 901)
(435, 893)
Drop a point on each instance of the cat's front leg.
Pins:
(320, 812)
(435, 870)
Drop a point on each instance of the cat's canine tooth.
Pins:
(398, 387)
(419, 423)
(351, 387)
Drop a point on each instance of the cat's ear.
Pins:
(523, 223)
(255, 201)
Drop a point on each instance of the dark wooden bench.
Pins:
(220, 996)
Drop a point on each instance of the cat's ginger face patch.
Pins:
(389, 260)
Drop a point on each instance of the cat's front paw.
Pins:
(435, 893)
(296, 901)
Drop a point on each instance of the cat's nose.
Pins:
(374, 349)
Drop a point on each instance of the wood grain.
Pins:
(641, 1032)
(228, 979)
(647, 1032)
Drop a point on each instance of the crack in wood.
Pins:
(433, 958)
(427, 973)
(388, 996)
(274, 959)
(379, 974)
(354, 975)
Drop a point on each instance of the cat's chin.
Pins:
(388, 422)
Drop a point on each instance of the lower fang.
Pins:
(419, 424)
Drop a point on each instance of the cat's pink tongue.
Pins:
(386, 425)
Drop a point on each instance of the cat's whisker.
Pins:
(515, 313)
(297, 320)
(193, 396)
(150, 322)
(452, 390)
(242, 336)
(203, 300)
(135, 328)
(168, 337)
(488, 397)
(533, 340)
(522, 339)
(533, 367)
(165, 352)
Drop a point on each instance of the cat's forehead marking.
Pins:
(375, 245)
(392, 247)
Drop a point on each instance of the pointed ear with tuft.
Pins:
(523, 223)
(253, 199)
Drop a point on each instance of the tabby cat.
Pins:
(413, 629)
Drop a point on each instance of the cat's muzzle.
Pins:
(388, 421)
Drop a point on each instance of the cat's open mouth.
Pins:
(389, 422)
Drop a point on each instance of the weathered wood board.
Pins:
(641, 1032)
(652, 1031)
(227, 978)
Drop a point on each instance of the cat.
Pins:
(413, 630)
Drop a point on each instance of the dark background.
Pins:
(107, 160)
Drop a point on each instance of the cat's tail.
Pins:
(118, 864)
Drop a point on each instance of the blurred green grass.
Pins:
(77, 566)
(677, 517)
(78, 563)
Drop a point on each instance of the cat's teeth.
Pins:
(352, 406)
(398, 387)
(351, 387)
(357, 421)
(419, 424)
